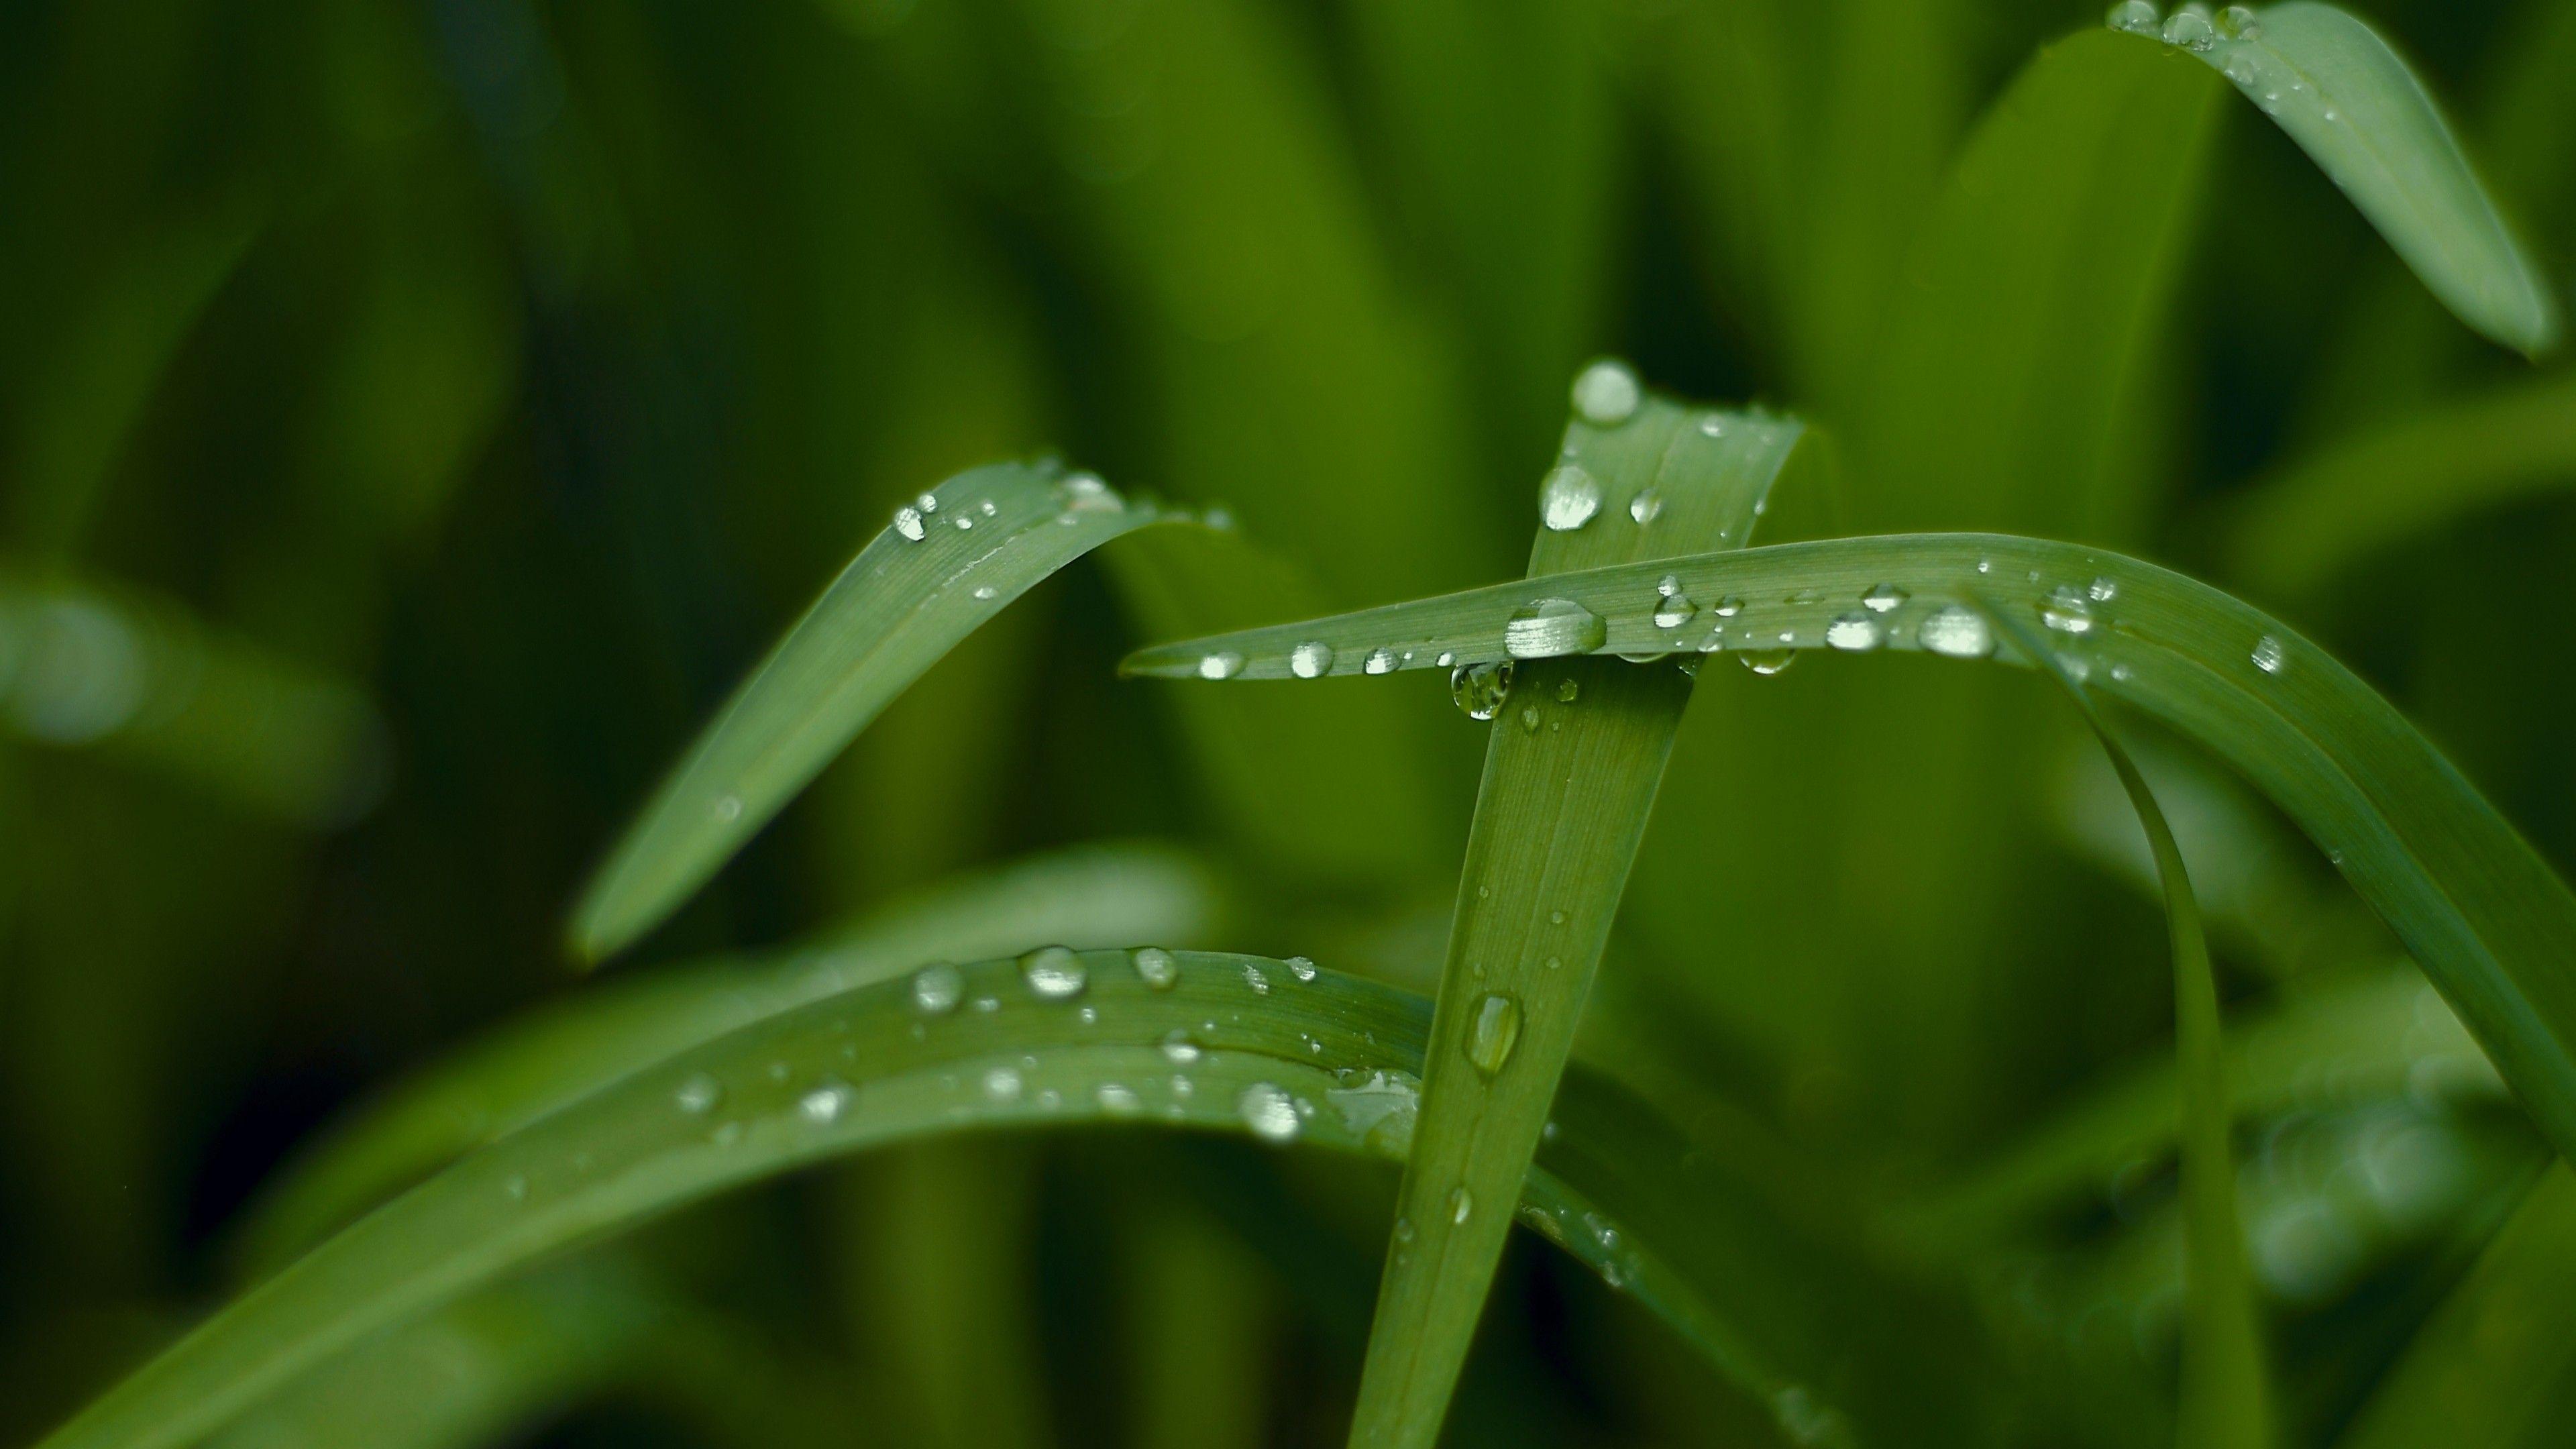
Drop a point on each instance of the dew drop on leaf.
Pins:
(1766, 662)
(1854, 631)
(1054, 973)
(823, 1105)
(1158, 968)
(1462, 1205)
(907, 521)
(1492, 1032)
(1958, 632)
(1645, 506)
(1178, 1048)
(1568, 498)
(1002, 1084)
(936, 989)
(2137, 17)
(1381, 660)
(1550, 628)
(1883, 598)
(1269, 1111)
(1224, 664)
(1311, 660)
(2268, 654)
(1606, 393)
(698, 1094)
(1480, 689)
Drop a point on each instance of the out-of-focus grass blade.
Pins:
(2490, 922)
(85, 668)
(988, 535)
(2366, 494)
(2224, 1398)
(1575, 755)
(1281, 1050)
(1094, 896)
(2498, 1355)
(2337, 89)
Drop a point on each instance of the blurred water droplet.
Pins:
(1224, 664)
(1766, 662)
(698, 1094)
(1116, 1100)
(1462, 1205)
(1178, 1048)
(1550, 628)
(1253, 978)
(1480, 689)
(1269, 1111)
(1606, 393)
(1854, 631)
(936, 989)
(1311, 660)
(1957, 631)
(1158, 968)
(2067, 611)
(1713, 426)
(1884, 598)
(2238, 22)
(1568, 498)
(2137, 17)
(1085, 493)
(2102, 590)
(1054, 973)
(824, 1105)
(1645, 506)
(907, 521)
(1300, 967)
(1727, 607)
(1567, 691)
(1002, 1084)
(729, 807)
(2268, 654)
(1492, 1031)
(1381, 660)
(515, 1188)
(1529, 719)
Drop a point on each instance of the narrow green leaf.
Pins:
(926, 582)
(1572, 763)
(2497, 1358)
(2368, 493)
(2224, 1398)
(2351, 103)
(536, 1064)
(2489, 921)
(1193, 1040)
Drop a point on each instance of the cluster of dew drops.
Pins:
(2196, 29)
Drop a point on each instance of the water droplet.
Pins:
(1054, 973)
(1253, 978)
(729, 807)
(1381, 660)
(824, 1105)
(2102, 590)
(986, 508)
(964, 522)
(1269, 1111)
(987, 592)
(1085, 493)
(1224, 664)
(936, 989)
(1853, 631)
(1766, 662)
(1957, 631)
(1492, 1032)
(1568, 498)
(907, 521)
(1529, 719)
(1667, 586)
(1002, 1084)
(1178, 1048)
(1549, 628)
(2268, 654)
(2238, 21)
(1404, 1230)
(1567, 691)
(1675, 611)
(1310, 660)
(698, 1094)
(1300, 967)
(1461, 1205)
(1117, 1101)
(1556, 918)
(2189, 28)
(1606, 394)
(1645, 506)
(2137, 17)
(515, 1188)
(2067, 610)
(1480, 689)
(1159, 968)
(1713, 426)
(1727, 607)
(2238, 68)
(1884, 599)
(927, 503)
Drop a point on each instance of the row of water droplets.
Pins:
(2190, 27)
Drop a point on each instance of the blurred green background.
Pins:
(416, 416)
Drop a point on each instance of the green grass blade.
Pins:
(2495, 1363)
(993, 533)
(2223, 1398)
(1187, 1040)
(536, 1064)
(1571, 768)
(2351, 103)
(2489, 921)
(2362, 496)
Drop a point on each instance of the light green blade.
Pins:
(536, 1064)
(2337, 89)
(927, 581)
(1571, 768)
(2224, 1394)
(2489, 921)
(1278, 1049)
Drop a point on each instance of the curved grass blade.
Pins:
(2496, 1362)
(2223, 1399)
(1192, 1040)
(2345, 97)
(2489, 921)
(537, 1064)
(2363, 496)
(936, 573)
(1572, 765)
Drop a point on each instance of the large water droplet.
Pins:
(2189, 27)
(1462, 1205)
(907, 521)
(824, 1105)
(2102, 590)
(1054, 973)
(1253, 978)
(1727, 607)
(1381, 660)
(2137, 17)
(1883, 598)
(936, 989)
(1311, 660)
(1568, 498)
(2238, 22)
(1224, 664)
(1300, 967)
(1766, 662)
(1269, 1111)
(1957, 631)
(1606, 393)
(1492, 1031)
(1480, 689)
(2268, 655)
(1854, 631)
(2068, 611)
(1085, 493)
(1158, 967)
(1549, 628)
(1675, 611)
(698, 1094)
(1645, 506)
(1178, 1048)
(2239, 68)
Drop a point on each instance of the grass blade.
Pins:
(537, 1064)
(1571, 769)
(926, 582)
(2223, 1392)
(2351, 103)
(2490, 923)
(1184, 1039)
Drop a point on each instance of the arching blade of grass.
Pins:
(2491, 924)
(537, 1064)
(2369, 493)
(2497, 1362)
(2337, 89)
(1180, 1039)
(1572, 764)
(928, 580)
(2224, 1397)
